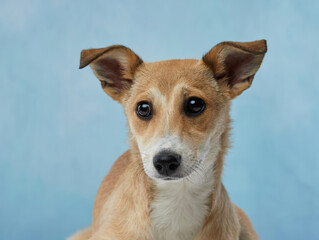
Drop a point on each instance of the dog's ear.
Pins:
(234, 64)
(114, 66)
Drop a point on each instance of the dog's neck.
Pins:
(179, 209)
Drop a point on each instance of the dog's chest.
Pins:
(178, 210)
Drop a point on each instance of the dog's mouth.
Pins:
(171, 178)
(177, 177)
(168, 178)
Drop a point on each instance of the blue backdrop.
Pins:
(60, 133)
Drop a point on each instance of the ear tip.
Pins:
(89, 55)
(265, 48)
(82, 65)
(83, 59)
(255, 47)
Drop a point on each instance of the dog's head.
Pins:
(177, 110)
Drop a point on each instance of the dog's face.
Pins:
(174, 111)
(177, 109)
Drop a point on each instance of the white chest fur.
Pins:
(179, 209)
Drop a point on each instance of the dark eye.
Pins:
(194, 106)
(144, 110)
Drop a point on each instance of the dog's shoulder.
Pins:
(247, 231)
(109, 182)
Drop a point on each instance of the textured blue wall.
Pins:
(59, 133)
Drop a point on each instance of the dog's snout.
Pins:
(166, 163)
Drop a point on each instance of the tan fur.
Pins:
(122, 205)
(122, 212)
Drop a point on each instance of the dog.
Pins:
(168, 186)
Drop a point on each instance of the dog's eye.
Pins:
(194, 106)
(144, 110)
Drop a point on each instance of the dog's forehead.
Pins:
(165, 75)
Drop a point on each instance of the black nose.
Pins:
(166, 163)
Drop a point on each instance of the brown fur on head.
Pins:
(222, 74)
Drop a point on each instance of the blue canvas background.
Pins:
(59, 133)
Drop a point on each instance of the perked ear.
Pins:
(114, 66)
(234, 64)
